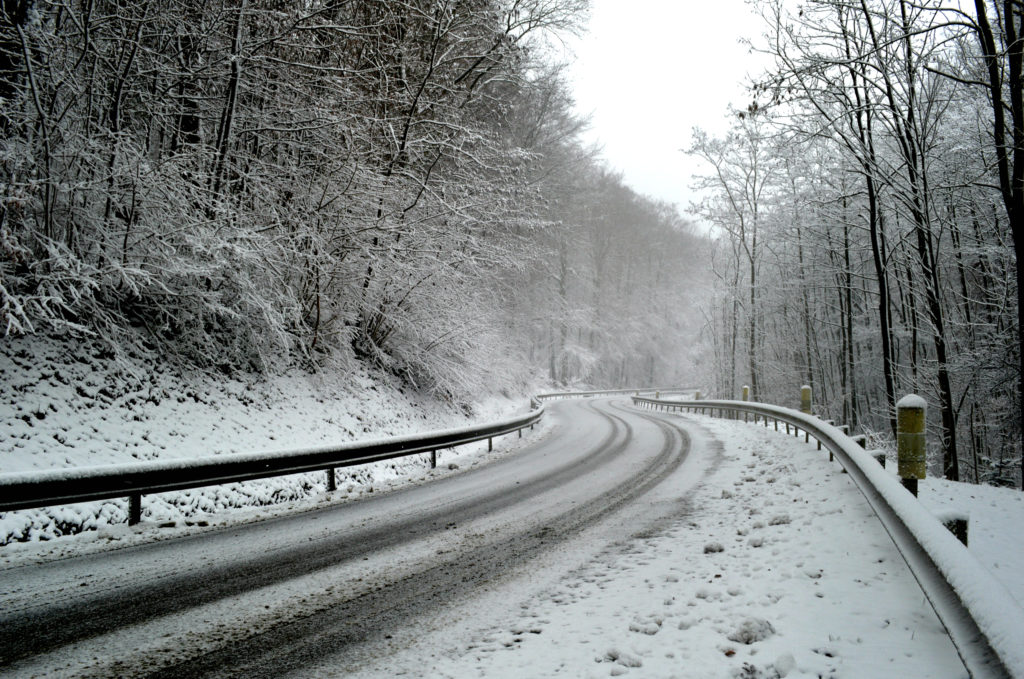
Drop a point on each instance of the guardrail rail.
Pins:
(612, 392)
(982, 618)
(80, 484)
(26, 490)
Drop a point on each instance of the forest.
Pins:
(244, 185)
(247, 184)
(871, 202)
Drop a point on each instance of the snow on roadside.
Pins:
(61, 411)
(781, 569)
(995, 519)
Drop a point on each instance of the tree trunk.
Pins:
(230, 103)
(1011, 179)
(878, 258)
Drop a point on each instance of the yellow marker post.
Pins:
(746, 397)
(910, 440)
(805, 399)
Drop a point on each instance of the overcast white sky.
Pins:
(649, 71)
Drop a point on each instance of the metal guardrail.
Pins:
(612, 392)
(66, 486)
(981, 617)
(82, 484)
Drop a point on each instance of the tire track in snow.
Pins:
(32, 629)
(341, 630)
(179, 585)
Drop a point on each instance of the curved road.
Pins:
(344, 584)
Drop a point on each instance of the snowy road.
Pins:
(345, 586)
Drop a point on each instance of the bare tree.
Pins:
(740, 180)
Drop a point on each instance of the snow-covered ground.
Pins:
(778, 569)
(61, 411)
(996, 518)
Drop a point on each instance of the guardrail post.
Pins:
(805, 399)
(134, 508)
(433, 459)
(910, 440)
(490, 445)
(332, 483)
(958, 527)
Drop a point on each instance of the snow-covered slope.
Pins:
(64, 405)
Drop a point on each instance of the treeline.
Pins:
(613, 301)
(244, 184)
(870, 201)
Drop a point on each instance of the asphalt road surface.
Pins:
(348, 583)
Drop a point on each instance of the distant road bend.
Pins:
(348, 582)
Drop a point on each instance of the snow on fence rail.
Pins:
(980, 615)
(25, 490)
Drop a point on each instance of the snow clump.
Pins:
(752, 630)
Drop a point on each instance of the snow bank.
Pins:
(78, 473)
(63, 412)
(992, 607)
(994, 513)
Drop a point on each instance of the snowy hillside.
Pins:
(58, 410)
